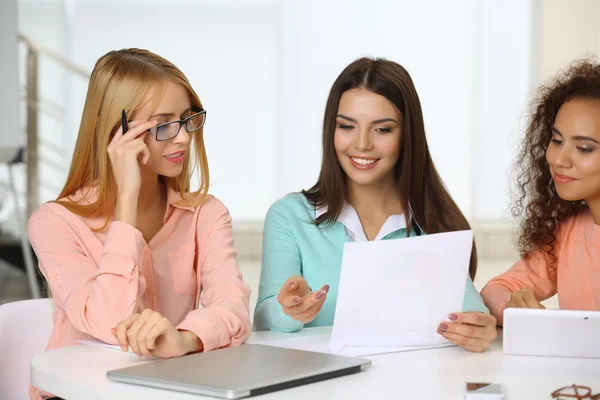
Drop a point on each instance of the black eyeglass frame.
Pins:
(196, 110)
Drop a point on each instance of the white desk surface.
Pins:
(79, 372)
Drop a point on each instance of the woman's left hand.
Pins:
(153, 335)
(473, 331)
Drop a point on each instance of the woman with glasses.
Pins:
(559, 199)
(127, 247)
(377, 182)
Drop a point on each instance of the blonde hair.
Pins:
(122, 80)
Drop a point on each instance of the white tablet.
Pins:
(554, 333)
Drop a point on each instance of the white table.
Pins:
(79, 372)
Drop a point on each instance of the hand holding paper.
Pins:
(472, 331)
(396, 292)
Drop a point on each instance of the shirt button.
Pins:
(146, 251)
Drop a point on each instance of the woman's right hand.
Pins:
(299, 302)
(524, 298)
(124, 151)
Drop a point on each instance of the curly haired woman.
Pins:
(559, 181)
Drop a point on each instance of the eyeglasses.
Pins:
(575, 392)
(169, 130)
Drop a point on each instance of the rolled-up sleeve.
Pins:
(225, 319)
(95, 296)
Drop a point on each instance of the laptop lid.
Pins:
(555, 333)
(239, 372)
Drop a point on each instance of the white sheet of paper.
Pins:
(317, 343)
(100, 344)
(396, 292)
(321, 344)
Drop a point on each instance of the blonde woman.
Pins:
(127, 248)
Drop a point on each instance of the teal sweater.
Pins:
(294, 245)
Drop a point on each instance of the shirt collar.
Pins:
(174, 198)
(349, 218)
(89, 194)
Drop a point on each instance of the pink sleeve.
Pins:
(225, 319)
(95, 296)
(532, 272)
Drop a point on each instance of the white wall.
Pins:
(264, 69)
(11, 134)
(569, 30)
(45, 23)
(505, 54)
(471, 69)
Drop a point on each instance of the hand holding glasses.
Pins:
(170, 129)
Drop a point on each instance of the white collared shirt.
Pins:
(354, 229)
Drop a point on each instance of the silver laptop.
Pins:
(554, 333)
(238, 372)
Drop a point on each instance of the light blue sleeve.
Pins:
(280, 260)
(473, 301)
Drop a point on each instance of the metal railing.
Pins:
(34, 52)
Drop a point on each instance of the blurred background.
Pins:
(263, 70)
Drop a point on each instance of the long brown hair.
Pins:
(122, 80)
(537, 199)
(420, 187)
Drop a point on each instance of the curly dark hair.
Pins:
(537, 200)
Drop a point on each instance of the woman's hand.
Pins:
(473, 331)
(126, 151)
(153, 335)
(299, 302)
(524, 298)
